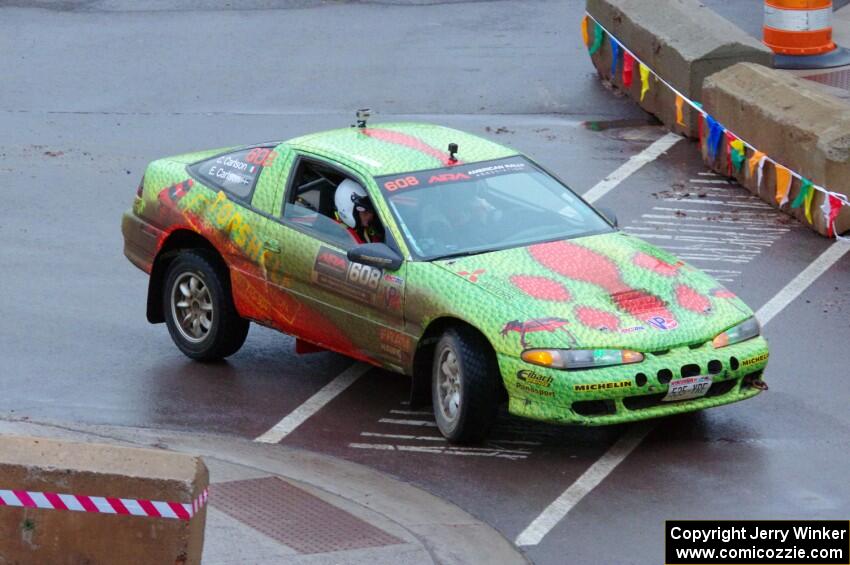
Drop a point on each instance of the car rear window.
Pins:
(235, 172)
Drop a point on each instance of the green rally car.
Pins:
(492, 280)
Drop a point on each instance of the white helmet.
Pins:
(349, 195)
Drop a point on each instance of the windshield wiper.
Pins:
(459, 254)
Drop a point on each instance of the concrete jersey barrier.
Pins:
(793, 122)
(65, 502)
(681, 40)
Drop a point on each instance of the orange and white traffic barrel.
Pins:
(798, 27)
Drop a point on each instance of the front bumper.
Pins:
(625, 393)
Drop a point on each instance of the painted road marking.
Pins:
(617, 453)
(595, 474)
(461, 451)
(716, 228)
(424, 440)
(628, 168)
(313, 404)
(801, 282)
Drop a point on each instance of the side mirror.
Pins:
(375, 255)
(609, 214)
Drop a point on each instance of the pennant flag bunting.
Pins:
(628, 69)
(598, 36)
(754, 161)
(783, 184)
(805, 188)
(715, 136)
(680, 118)
(738, 154)
(736, 149)
(584, 34)
(615, 56)
(644, 81)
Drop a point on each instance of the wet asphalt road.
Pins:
(94, 90)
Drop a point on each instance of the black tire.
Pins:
(213, 305)
(477, 384)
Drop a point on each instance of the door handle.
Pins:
(272, 245)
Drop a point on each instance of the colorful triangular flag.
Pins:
(615, 56)
(805, 188)
(680, 118)
(598, 36)
(738, 154)
(807, 205)
(715, 136)
(754, 162)
(644, 80)
(783, 184)
(628, 69)
(584, 33)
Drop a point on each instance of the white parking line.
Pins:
(617, 453)
(314, 404)
(802, 281)
(588, 480)
(628, 168)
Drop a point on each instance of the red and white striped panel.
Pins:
(103, 504)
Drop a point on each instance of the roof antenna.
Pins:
(362, 115)
(452, 151)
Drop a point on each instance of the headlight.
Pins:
(747, 329)
(580, 358)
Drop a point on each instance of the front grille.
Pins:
(594, 407)
(652, 400)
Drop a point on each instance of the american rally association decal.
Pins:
(593, 387)
(334, 271)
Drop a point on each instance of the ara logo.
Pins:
(448, 177)
(662, 323)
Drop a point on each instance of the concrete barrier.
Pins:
(792, 121)
(63, 502)
(681, 40)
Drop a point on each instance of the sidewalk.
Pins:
(275, 505)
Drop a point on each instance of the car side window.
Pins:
(309, 202)
(236, 172)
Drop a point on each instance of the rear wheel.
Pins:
(198, 308)
(464, 386)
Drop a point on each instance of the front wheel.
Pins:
(199, 310)
(464, 386)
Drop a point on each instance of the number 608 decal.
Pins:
(364, 275)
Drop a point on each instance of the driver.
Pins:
(355, 211)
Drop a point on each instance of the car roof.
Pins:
(391, 148)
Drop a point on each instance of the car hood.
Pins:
(609, 290)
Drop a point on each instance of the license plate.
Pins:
(687, 388)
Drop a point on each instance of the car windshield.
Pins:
(478, 207)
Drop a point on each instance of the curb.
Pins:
(444, 532)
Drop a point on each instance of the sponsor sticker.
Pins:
(533, 390)
(662, 323)
(594, 387)
(334, 271)
(755, 360)
(534, 378)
